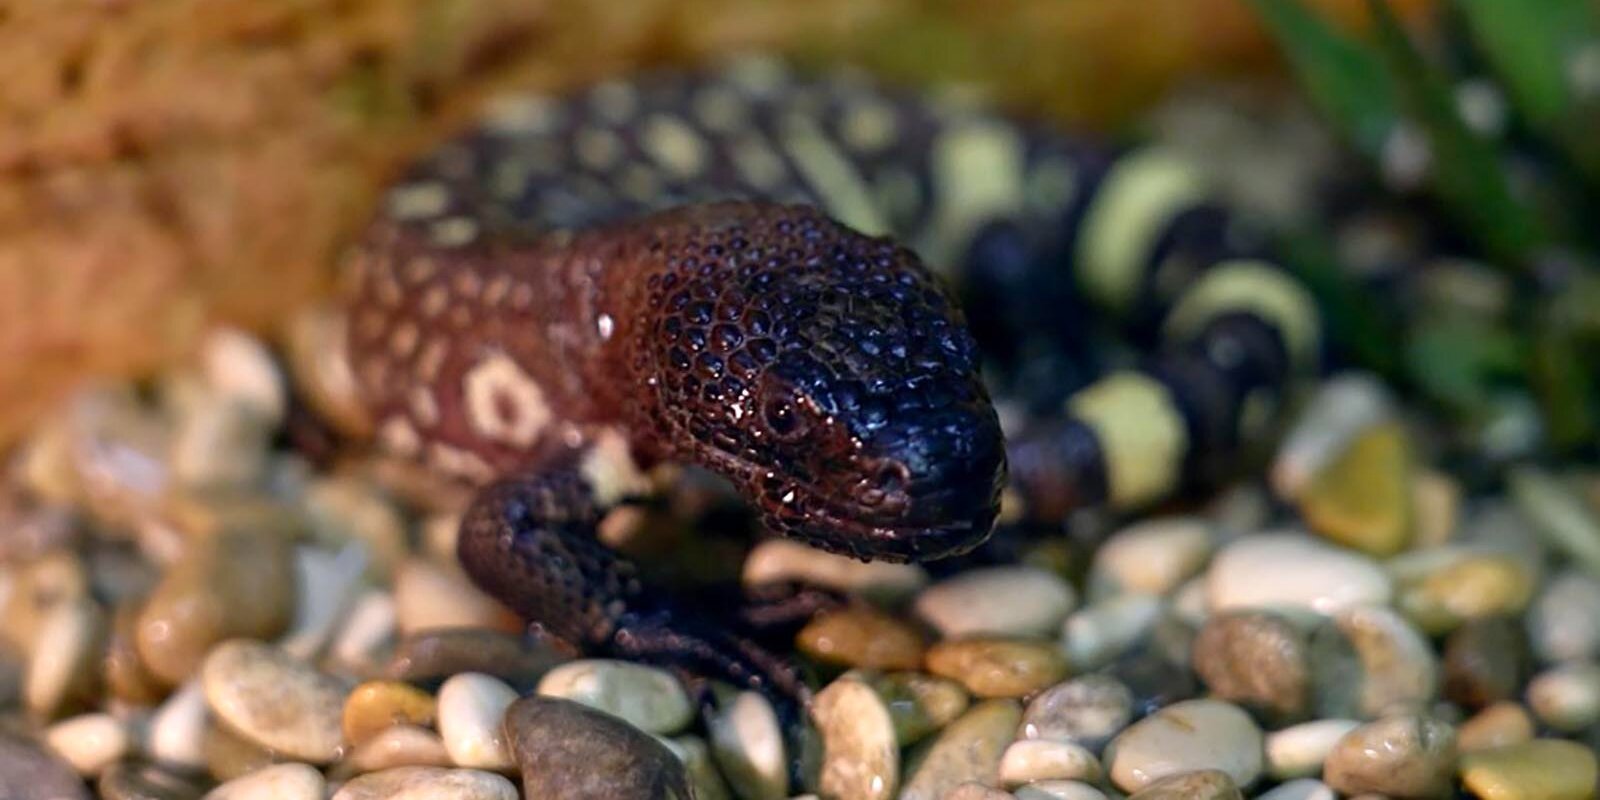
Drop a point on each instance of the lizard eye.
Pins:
(783, 417)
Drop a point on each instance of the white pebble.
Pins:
(1564, 620)
(427, 783)
(748, 745)
(90, 742)
(327, 583)
(1567, 697)
(1153, 556)
(1183, 737)
(370, 625)
(1059, 790)
(63, 654)
(1342, 407)
(178, 727)
(1029, 760)
(1291, 571)
(1303, 789)
(649, 698)
(1299, 750)
(1191, 603)
(784, 561)
(429, 596)
(472, 708)
(240, 367)
(999, 601)
(276, 782)
(1098, 634)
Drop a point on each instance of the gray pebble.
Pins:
(568, 751)
(1485, 661)
(1303, 789)
(1564, 620)
(428, 783)
(1088, 710)
(1567, 697)
(430, 657)
(132, 780)
(1369, 661)
(969, 750)
(29, 772)
(1257, 659)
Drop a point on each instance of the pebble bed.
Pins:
(202, 596)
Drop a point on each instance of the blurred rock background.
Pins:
(167, 163)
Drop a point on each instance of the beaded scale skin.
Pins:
(638, 273)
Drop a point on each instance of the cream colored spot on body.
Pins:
(869, 126)
(399, 437)
(418, 200)
(454, 231)
(432, 359)
(468, 284)
(503, 402)
(418, 270)
(674, 145)
(610, 470)
(457, 461)
(434, 301)
(614, 101)
(1259, 288)
(598, 149)
(424, 408)
(520, 115)
(758, 164)
(831, 175)
(521, 296)
(499, 286)
(978, 173)
(403, 340)
(1134, 204)
(640, 183)
(1141, 433)
(720, 109)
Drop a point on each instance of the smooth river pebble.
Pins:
(649, 698)
(1292, 571)
(997, 601)
(275, 700)
(1186, 736)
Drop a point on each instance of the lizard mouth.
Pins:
(842, 529)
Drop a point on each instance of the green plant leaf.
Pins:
(1529, 43)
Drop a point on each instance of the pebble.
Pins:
(705, 782)
(1088, 710)
(1567, 696)
(998, 667)
(1543, 769)
(239, 367)
(1472, 587)
(314, 345)
(861, 637)
(1362, 497)
(134, 780)
(277, 782)
(1496, 726)
(471, 708)
(345, 510)
(860, 751)
(1341, 408)
(427, 783)
(126, 676)
(1369, 662)
(1101, 632)
(1564, 622)
(1558, 515)
(1186, 736)
(90, 742)
(62, 675)
(1485, 661)
(1155, 678)
(1053, 790)
(568, 750)
(1205, 784)
(394, 746)
(1151, 557)
(1295, 572)
(429, 596)
(747, 743)
(177, 727)
(1436, 498)
(1258, 660)
(972, 790)
(969, 750)
(366, 631)
(430, 657)
(1302, 789)
(229, 755)
(219, 444)
(29, 772)
(918, 703)
(328, 582)
(376, 705)
(275, 700)
(1402, 756)
(1016, 601)
(651, 699)
(1029, 760)
(777, 561)
(1299, 751)
(235, 583)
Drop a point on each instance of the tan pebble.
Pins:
(1542, 769)
(1290, 571)
(861, 756)
(428, 596)
(997, 601)
(178, 728)
(1472, 588)
(238, 366)
(1567, 697)
(1400, 756)
(1362, 499)
(784, 561)
(347, 509)
(234, 584)
(1059, 790)
(274, 700)
(279, 782)
(427, 783)
(229, 755)
(968, 750)
(998, 667)
(1029, 760)
(394, 746)
(1257, 659)
(747, 743)
(1501, 724)
(918, 703)
(1151, 557)
(375, 705)
(63, 670)
(316, 357)
(861, 637)
(128, 679)
(1437, 499)
(651, 699)
(472, 708)
(1208, 784)
(220, 444)
(436, 655)
(29, 593)
(90, 742)
(1183, 737)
